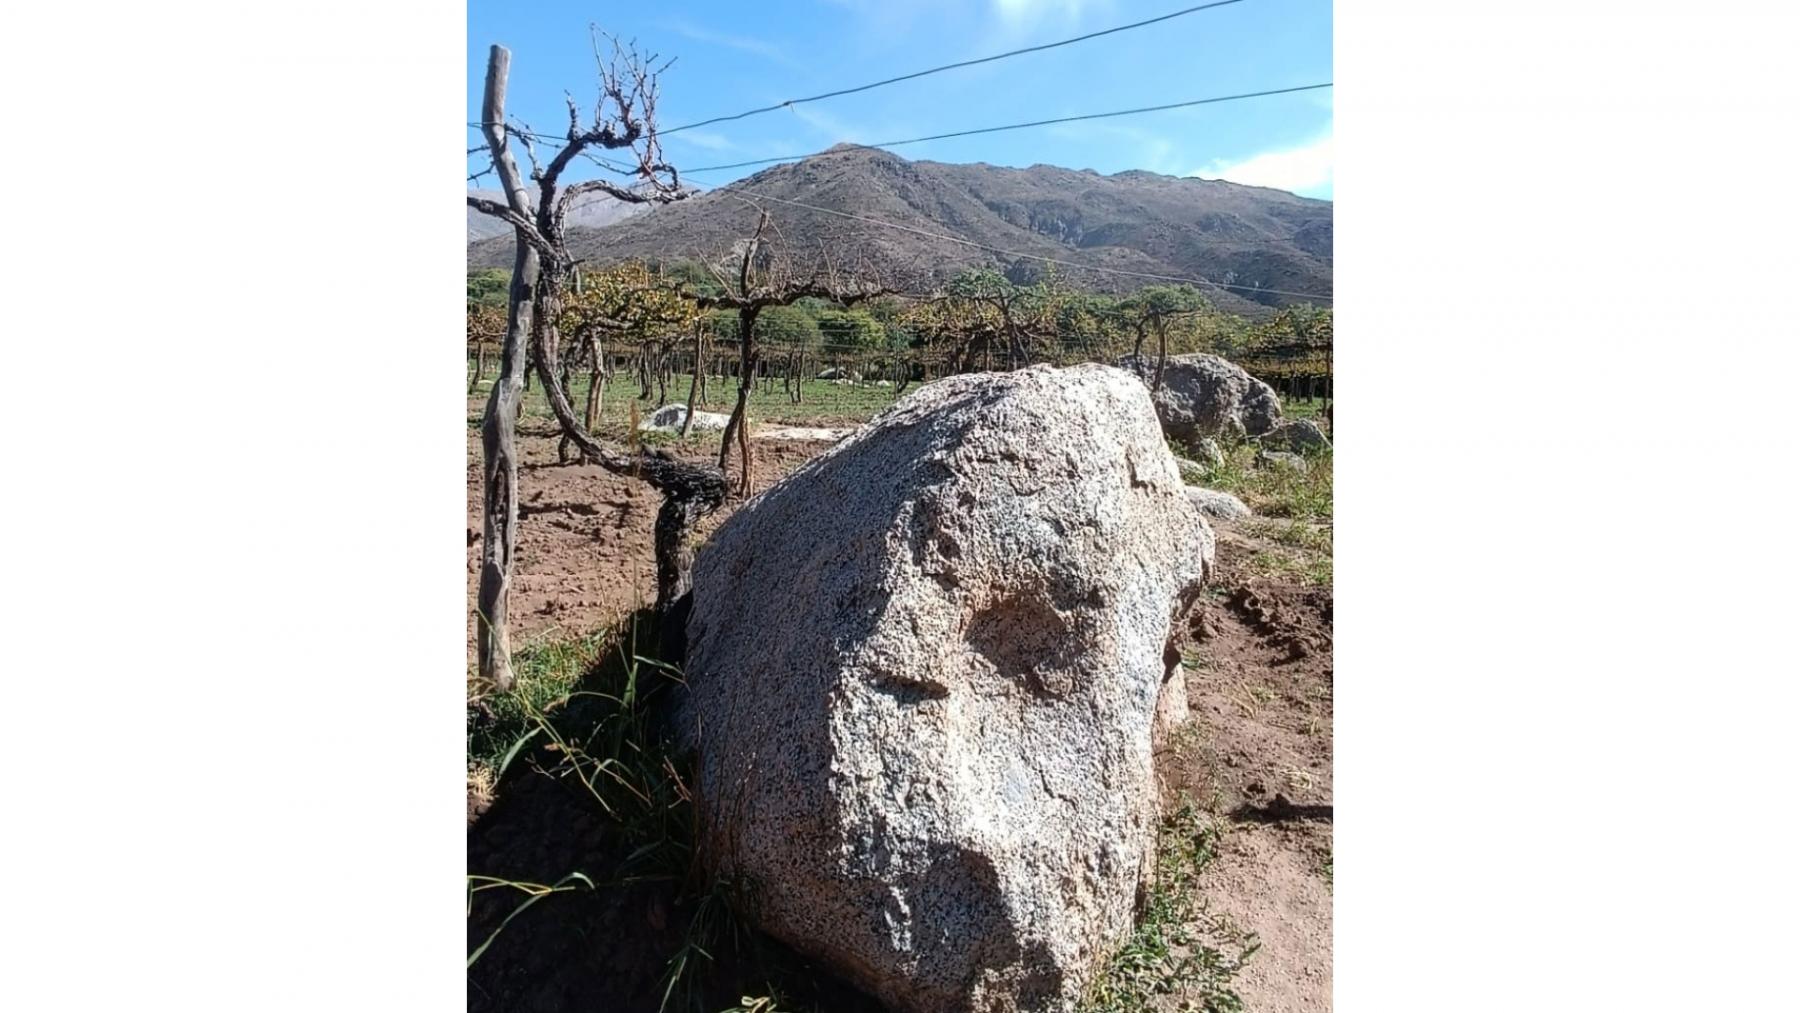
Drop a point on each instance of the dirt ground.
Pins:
(585, 555)
(1258, 759)
(1257, 756)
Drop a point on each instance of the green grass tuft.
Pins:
(545, 669)
(1272, 490)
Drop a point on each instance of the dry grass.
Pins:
(481, 789)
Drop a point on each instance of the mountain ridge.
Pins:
(594, 210)
(1265, 242)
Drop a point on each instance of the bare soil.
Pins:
(1258, 759)
(585, 554)
(1257, 756)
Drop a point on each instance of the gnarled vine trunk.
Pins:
(690, 491)
(739, 423)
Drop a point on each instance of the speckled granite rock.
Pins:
(1217, 505)
(923, 671)
(1281, 459)
(1207, 451)
(669, 417)
(1204, 396)
(1297, 435)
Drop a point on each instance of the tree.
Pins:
(1302, 327)
(787, 325)
(627, 303)
(623, 120)
(760, 281)
(1086, 325)
(1150, 310)
(853, 329)
(1004, 309)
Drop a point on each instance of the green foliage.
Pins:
(488, 286)
(1159, 301)
(1180, 318)
(1293, 329)
(786, 325)
(983, 284)
(629, 301)
(692, 276)
(720, 325)
(1069, 325)
(545, 671)
(757, 1004)
(855, 328)
(534, 892)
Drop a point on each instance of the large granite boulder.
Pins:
(923, 672)
(1205, 396)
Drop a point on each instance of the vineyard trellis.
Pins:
(634, 321)
(939, 343)
(804, 371)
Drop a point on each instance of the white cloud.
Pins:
(742, 43)
(704, 139)
(1296, 170)
(835, 130)
(1015, 11)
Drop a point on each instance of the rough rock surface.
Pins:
(1298, 435)
(803, 433)
(1171, 707)
(668, 419)
(1191, 473)
(1207, 452)
(1205, 396)
(1281, 459)
(1220, 505)
(923, 671)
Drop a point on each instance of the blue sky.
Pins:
(734, 56)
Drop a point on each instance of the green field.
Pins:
(821, 400)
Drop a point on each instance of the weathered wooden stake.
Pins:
(500, 464)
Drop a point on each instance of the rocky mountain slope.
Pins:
(1210, 231)
(590, 212)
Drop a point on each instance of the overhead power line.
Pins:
(948, 66)
(1015, 253)
(1021, 126)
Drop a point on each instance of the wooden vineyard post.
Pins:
(500, 463)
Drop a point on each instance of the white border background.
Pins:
(1565, 549)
